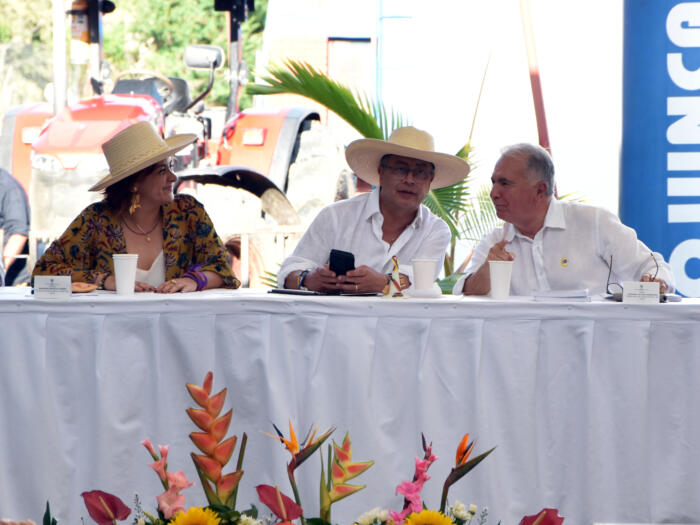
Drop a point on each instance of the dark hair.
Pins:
(118, 195)
(539, 164)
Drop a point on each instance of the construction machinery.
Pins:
(57, 157)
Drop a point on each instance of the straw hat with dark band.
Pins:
(364, 155)
(136, 148)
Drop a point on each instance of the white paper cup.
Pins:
(125, 272)
(423, 273)
(500, 278)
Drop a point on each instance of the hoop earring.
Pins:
(135, 200)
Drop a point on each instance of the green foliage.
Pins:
(48, 519)
(26, 21)
(369, 119)
(152, 35)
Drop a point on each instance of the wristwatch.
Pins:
(302, 278)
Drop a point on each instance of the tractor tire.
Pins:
(318, 172)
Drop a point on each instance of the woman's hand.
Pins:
(182, 284)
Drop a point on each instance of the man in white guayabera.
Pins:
(555, 245)
(389, 221)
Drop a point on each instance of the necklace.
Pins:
(141, 230)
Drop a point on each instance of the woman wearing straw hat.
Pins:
(378, 226)
(178, 248)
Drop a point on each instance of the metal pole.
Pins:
(60, 67)
(537, 98)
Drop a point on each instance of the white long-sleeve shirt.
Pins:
(572, 251)
(355, 225)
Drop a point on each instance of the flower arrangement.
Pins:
(215, 451)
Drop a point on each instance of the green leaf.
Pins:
(48, 520)
(367, 117)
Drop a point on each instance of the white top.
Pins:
(155, 275)
(571, 251)
(355, 225)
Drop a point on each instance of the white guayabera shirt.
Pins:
(355, 225)
(572, 251)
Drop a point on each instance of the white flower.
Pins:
(472, 508)
(247, 520)
(459, 511)
(376, 514)
(141, 521)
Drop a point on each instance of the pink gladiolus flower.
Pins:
(164, 452)
(177, 481)
(160, 466)
(170, 502)
(149, 446)
(411, 491)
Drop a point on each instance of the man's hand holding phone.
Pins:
(362, 280)
(322, 279)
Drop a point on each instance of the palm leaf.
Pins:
(300, 78)
(481, 216)
(269, 279)
(446, 202)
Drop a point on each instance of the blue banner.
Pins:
(660, 164)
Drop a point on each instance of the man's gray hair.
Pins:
(539, 163)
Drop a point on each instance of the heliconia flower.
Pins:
(105, 508)
(282, 506)
(216, 452)
(342, 470)
(209, 466)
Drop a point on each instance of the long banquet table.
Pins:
(593, 407)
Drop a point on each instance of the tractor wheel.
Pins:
(318, 172)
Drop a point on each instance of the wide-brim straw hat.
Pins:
(364, 155)
(136, 148)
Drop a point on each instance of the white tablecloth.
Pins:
(593, 406)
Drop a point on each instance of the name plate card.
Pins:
(636, 292)
(52, 287)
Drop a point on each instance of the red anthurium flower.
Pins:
(544, 517)
(105, 508)
(282, 506)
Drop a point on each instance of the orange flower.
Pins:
(300, 453)
(216, 451)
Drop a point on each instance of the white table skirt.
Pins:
(593, 406)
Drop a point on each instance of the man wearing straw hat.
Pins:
(389, 221)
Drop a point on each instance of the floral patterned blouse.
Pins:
(86, 247)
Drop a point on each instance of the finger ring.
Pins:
(172, 281)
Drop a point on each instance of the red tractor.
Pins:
(282, 158)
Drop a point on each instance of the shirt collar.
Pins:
(372, 209)
(555, 215)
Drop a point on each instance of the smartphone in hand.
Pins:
(341, 262)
